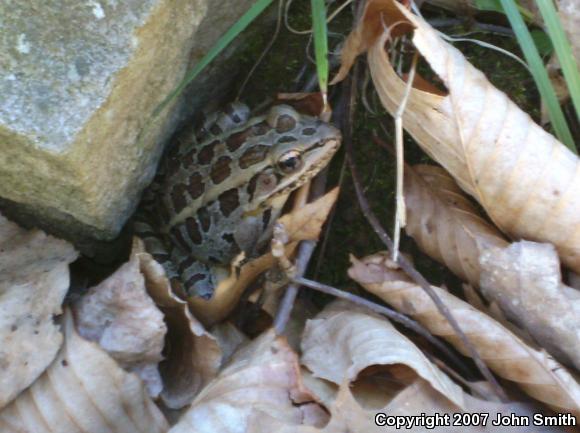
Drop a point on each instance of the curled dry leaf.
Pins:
(529, 273)
(538, 374)
(262, 378)
(34, 279)
(367, 348)
(526, 180)
(122, 318)
(350, 414)
(83, 391)
(301, 224)
(445, 224)
(193, 355)
(357, 339)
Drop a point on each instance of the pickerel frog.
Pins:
(213, 200)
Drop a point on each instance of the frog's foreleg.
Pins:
(280, 239)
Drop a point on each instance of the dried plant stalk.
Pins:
(538, 374)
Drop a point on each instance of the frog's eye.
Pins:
(290, 162)
(283, 118)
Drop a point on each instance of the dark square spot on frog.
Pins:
(204, 218)
(172, 165)
(229, 238)
(194, 279)
(229, 201)
(205, 155)
(287, 139)
(221, 170)
(215, 129)
(179, 238)
(196, 185)
(309, 131)
(185, 264)
(234, 141)
(253, 155)
(193, 230)
(260, 129)
(161, 257)
(178, 198)
(285, 123)
(252, 184)
(266, 217)
(230, 110)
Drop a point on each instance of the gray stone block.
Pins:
(78, 84)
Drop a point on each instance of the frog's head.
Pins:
(301, 147)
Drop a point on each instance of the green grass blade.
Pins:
(539, 73)
(245, 20)
(320, 43)
(563, 50)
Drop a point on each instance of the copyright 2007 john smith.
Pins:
(478, 419)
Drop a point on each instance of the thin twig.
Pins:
(305, 251)
(385, 311)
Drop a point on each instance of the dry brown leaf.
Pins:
(305, 223)
(355, 339)
(367, 346)
(193, 355)
(444, 223)
(83, 391)
(525, 280)
(301, 224)
(526, 180)
(34, 279)
(538, 374)
(263, 377)
(121, 317)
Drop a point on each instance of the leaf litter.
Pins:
(157, 367)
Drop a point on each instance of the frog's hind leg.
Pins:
(154, 243)
(197, 278)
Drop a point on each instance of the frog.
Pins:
(220, 189)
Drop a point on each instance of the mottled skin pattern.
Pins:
(214, 200)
